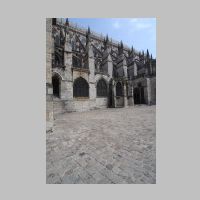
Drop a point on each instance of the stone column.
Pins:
(125, 68)
(130, 94)
(91, 75)
(91, 66)
(125, 96)
(110, 66)
(148, 91)
(132, 90)
(68, 83)
(135, 69)
(114, 94)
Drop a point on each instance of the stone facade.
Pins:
(113, 74)
(49, 89)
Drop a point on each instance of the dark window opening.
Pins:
(81, 88)
(119, 89)
(111, 100)
(139, 95)
(57, 60)
(54, 21)
(136, 96)
(101, 88)
(56, 85)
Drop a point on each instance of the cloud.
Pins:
(116, 25)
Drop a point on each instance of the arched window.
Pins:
(57, 60)
(76, 61)
(81, 88)
(119, 89)
(101, 88)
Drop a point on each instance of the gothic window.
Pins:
(76, 61)
(101, 88)
(73, 46)
(81, 88)
(57, 60)
(114, 71)
(119, 89)
(100, 68)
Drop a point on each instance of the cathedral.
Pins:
(86, 71)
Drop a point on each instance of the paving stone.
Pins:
(54, 178)
(103, 146)
(71, 179)
(109, 166)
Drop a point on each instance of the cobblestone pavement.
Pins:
(116, 145)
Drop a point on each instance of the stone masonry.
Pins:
(74, 54)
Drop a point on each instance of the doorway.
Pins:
(110, 96)
(56, 86)
(139, 95)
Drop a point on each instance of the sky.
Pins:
(137, 32)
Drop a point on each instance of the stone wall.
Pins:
(79, 105)
(130, 101)
(48, 50)
(101, 102)
(153, 90)
(49, 90)
(119, 101)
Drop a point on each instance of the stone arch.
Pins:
(80, 88)
(105, 78)
(58, 72)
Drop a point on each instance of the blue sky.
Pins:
(139, 32)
